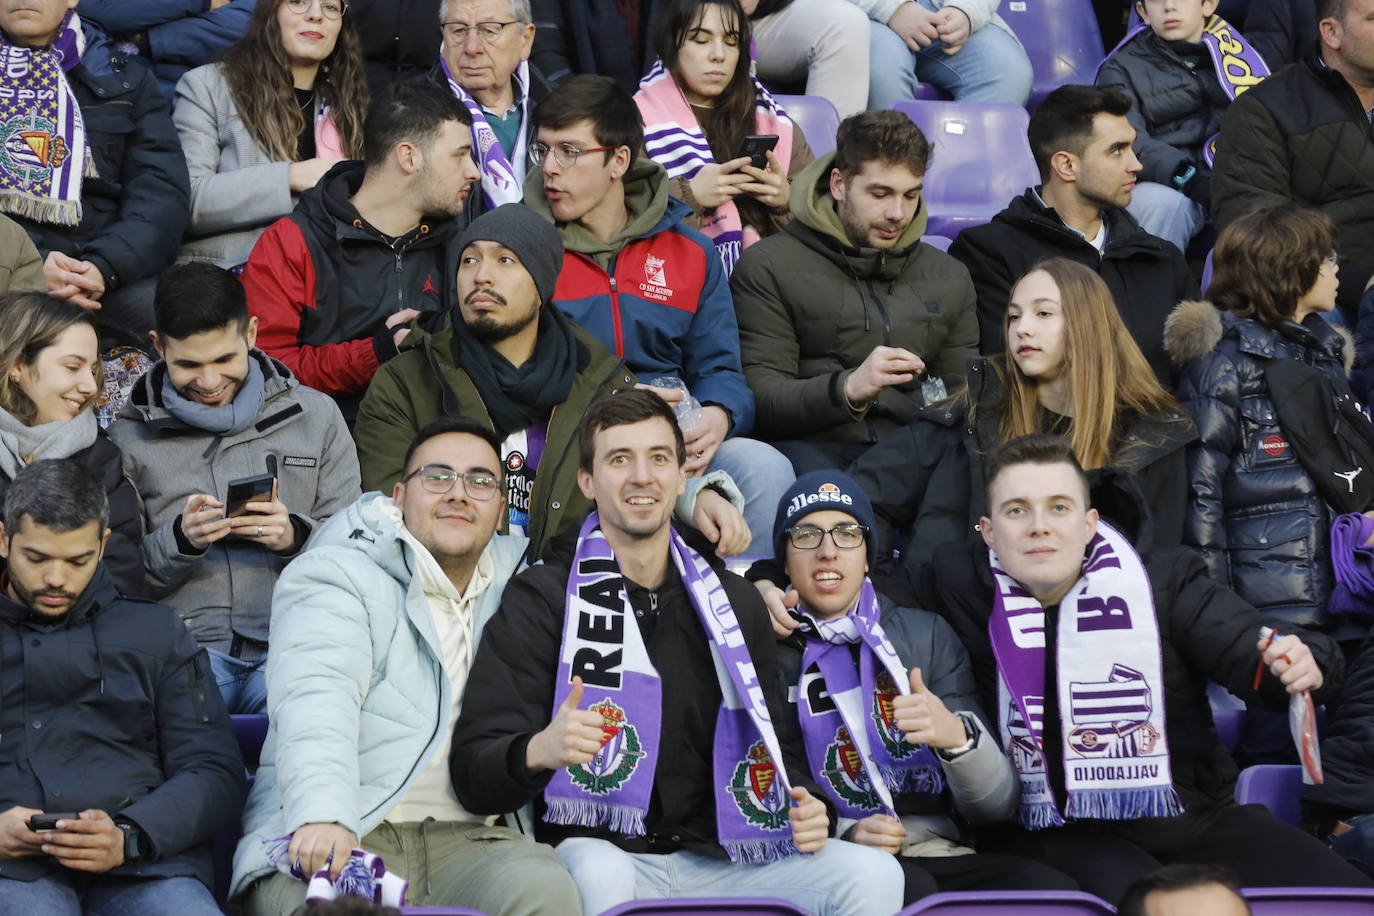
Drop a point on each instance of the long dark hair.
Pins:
(259, 78)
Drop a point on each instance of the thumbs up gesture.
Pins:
(923, 718)
(808, 819)
(574, 736)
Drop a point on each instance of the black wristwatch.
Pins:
(135, 847)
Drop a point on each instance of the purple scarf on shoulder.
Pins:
(602, 644)
(852, 740)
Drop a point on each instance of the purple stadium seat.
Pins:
(1011, 903)
(1327, 901)
(440, 911)
(725, 906)
(816, 117)
(1061, 39)
(981, 160)
(1277, 787)
(936, 241)
(1228, 714)
(251, 732)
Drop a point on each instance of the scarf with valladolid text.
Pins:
(43, 150)
(1237, 64)
(674, 140)
(852, 740)
(501, 180)
(602, 644)
(1110, 689)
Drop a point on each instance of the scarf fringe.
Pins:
(906, 781)
(1039, 817)
(581, 812)
(48, 210)
(760, 852)
(1123, 804)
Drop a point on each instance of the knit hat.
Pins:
(817, 492)
(533, 239)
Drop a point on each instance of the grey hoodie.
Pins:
(299, 432)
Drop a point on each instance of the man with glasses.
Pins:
(648, 286)
(484, 61)
(335, 285)
(518, 366)
(854, 653)
(375, 628)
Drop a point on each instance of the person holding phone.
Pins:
(236, 461)
(727, 145)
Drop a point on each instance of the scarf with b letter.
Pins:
(852, 740)
(43, 150)
(1237, 64)
(501, 180)
(674, 139)
(602, 644)
(1110, 685)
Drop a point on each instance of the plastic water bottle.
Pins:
(688, 409)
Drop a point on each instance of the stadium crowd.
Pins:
(604, 489)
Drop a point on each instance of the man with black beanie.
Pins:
(503, 358)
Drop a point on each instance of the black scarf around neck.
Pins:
(518, 398)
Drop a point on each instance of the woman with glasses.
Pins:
(1255, 512)
(699, 103)
(267, 121)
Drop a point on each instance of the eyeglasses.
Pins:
(331, 9)
(456, 32)
(564, 155)
(440, 478)
(845, 537)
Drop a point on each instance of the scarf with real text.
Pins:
(44, 154)
(603, 645)
(501, 179)
(674, 139)
(1110, 689)
(852, 740)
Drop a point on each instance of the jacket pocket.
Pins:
(108, 126)
(1263, 442)
(1270, 557)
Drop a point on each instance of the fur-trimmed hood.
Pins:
(1195, 327)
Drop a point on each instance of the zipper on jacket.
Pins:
(400, 288)
(882, 313)
(615, 316)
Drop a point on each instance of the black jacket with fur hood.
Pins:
(1255, 513)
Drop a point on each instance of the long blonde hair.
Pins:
(259, 77)
(1107, 374)
(33, 322)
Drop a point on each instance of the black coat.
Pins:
(1348, 748)
(1254, 512)
(114, 707)
(400, 39)
(1177, 104)
(1302, 137)
(1147, 275)
(132, 215)
(589, 36)
(1282, 31)
(124, 551)
(927, 477)
(510, 692)
(1206, 633)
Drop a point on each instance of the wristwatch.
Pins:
(135, 848)
(971, 731)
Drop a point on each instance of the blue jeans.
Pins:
(843, 879)
(243, 684)
(1166, 212)
(762, 474)
(71, 894)
(990, 67)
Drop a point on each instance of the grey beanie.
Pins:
(533, 239)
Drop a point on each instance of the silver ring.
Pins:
(259, 531)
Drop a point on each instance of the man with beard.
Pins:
(335, 285)
(213, 409)
(1081, 141)
(846, 318)
(523, 370)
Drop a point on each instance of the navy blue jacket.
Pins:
(113, 706)
(588, 36)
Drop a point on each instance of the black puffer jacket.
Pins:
(1302, 137)
(1147, 275)
(1254, 512)
(1177, 105)
(927, 477)
(113, 706)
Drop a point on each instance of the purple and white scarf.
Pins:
(501, 180)
(602, 644)
(1237, 64)
(1110, 685)
(1353, 563)
(363, 875)
(852, 740)
(43, 149)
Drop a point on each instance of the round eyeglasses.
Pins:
(331, 9)
(845, 537)
(564, 155)
(439, 479)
